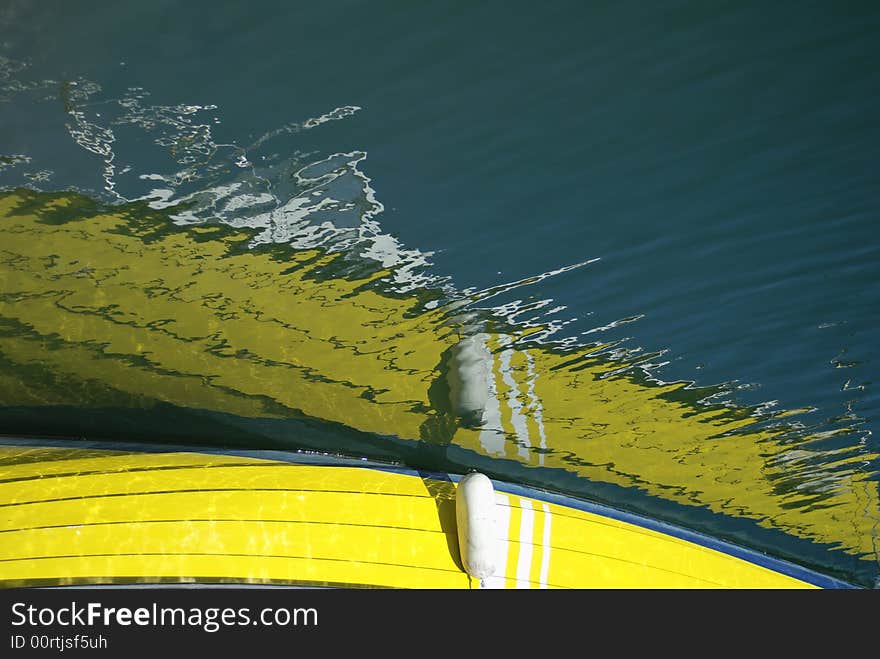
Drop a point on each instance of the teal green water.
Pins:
(711, 165)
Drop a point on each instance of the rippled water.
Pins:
(620, 253)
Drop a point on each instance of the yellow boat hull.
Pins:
(93, 516)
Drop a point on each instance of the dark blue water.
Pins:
(718, 159)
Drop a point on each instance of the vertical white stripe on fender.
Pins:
(502, 520)
(545, 553)
(526, 528)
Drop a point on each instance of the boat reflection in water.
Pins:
(127, 322)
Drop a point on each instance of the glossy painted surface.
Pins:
(77, 516)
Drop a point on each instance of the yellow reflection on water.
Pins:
(116, 307)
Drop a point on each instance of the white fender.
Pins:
(475, 517)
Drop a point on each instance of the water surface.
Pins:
(618, 252)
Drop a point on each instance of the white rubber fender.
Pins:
(475, 518)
